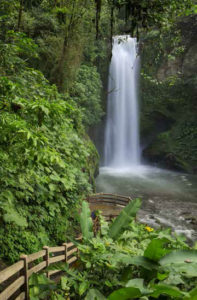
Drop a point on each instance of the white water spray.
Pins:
(122, 130)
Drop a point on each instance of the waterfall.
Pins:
(122, 128)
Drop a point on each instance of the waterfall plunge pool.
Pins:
(169, 198)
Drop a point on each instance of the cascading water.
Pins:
(122, 129)
(162, 191)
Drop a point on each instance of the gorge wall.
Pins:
(168, 96)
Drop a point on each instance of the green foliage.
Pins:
(45, 287)
(170, 107)
(124, 218)
(86, 91)
(47, 162)
(156, 249)
(154, 13)
(16, 240)
(94, 294)
(125, 293)
(180, 256)
(86, 221)
(168, 98)
(139, 263)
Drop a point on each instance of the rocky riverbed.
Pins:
(169, 198)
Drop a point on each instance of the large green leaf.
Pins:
(139, 284)
(83, 287)
(124, 218)
(165, 289)
(179, 256)
(125, 293)
(94, 294)
(184, 269)
(183, 262)
(156, 249)
(86, 221)
(139, 261)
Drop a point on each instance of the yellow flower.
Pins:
(149, 229)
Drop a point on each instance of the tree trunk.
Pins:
(60, 67)
(20, 15)
(112, 23)
(98, 14)
(59, 70)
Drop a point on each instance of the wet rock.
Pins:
(190, 61)
(150, 201)
(191, 220)
(170, 68)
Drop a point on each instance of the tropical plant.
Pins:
(138, 262)
(47, 162)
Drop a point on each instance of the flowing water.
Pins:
(169, 198)
(122, 130)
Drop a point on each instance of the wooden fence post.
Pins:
(46, 258)
(25, 273)
(66, 250)
(80, 238)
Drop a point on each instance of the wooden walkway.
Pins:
(15, 279)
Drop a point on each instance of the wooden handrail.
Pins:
(10, 271)
(21, 271)
(101, 195)
(68, 252)
(111, 199)
(106, 199)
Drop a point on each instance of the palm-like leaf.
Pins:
(124, 218)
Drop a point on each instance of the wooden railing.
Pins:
(109, 199)
(113, 200)
(16, 277)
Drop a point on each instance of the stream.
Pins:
(169, 198)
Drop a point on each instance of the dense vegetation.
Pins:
(47, 161)
(125, 260)
(168, 93)
(53, 63)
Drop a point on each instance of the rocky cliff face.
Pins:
(169, 94)
(185, 64)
